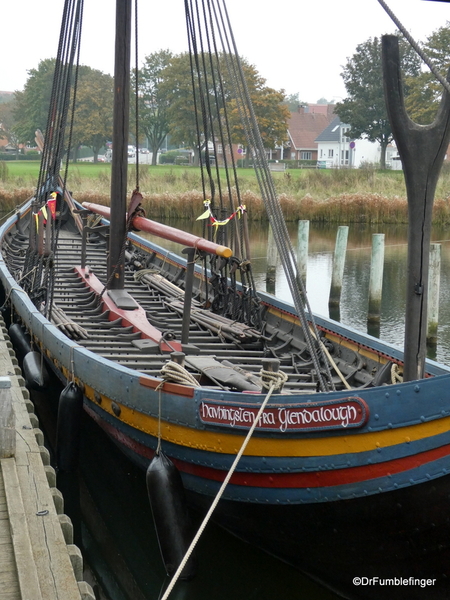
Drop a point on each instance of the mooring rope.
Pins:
(274, 385)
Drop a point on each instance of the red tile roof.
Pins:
(304, 126)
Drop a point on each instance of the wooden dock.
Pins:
(38, 560)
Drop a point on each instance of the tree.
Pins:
(182, 115)
(154, 102)
(31, 110)
(293, 102)
(7, 122)
(425, 91)
(93, 120)
(364, 109)
(216, 100)
(93, 115)
(422, 100)
(271, 113)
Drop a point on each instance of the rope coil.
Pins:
(172, 371)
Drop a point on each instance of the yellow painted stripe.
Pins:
(230, 443)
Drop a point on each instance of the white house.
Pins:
(335, 149)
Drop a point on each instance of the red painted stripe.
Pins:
(171, 388)
(318, 479)
(288, 480)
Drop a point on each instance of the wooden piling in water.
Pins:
(302, 249)
(338, 265)
(434, 284)
(376, 277)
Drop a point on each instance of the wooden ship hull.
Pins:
(341, 484)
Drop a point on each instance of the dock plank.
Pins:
(9, 580)
(26, 567)
(35, 562)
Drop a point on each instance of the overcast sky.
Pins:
(297, 45)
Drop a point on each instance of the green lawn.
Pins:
(30, 168)
(21, 168)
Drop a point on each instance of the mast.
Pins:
(119, 164)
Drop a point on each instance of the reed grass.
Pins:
(333, 196)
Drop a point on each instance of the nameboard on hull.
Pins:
(342, 414)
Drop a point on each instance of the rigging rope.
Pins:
(136, 92)
(272, 378)
(54, 148)
(218, 17)
(213, 140)
(68, 52)
(396, 374)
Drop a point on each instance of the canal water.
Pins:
(115, 529)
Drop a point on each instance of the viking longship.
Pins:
(334, 447)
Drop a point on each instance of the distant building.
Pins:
(336, 149)
(303, 128)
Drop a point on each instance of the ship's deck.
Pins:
(216, 340)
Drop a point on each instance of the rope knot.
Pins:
(396, 374)
(275, 378)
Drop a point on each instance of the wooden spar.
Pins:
(166, 232)
(422, 149)
(119, 166)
